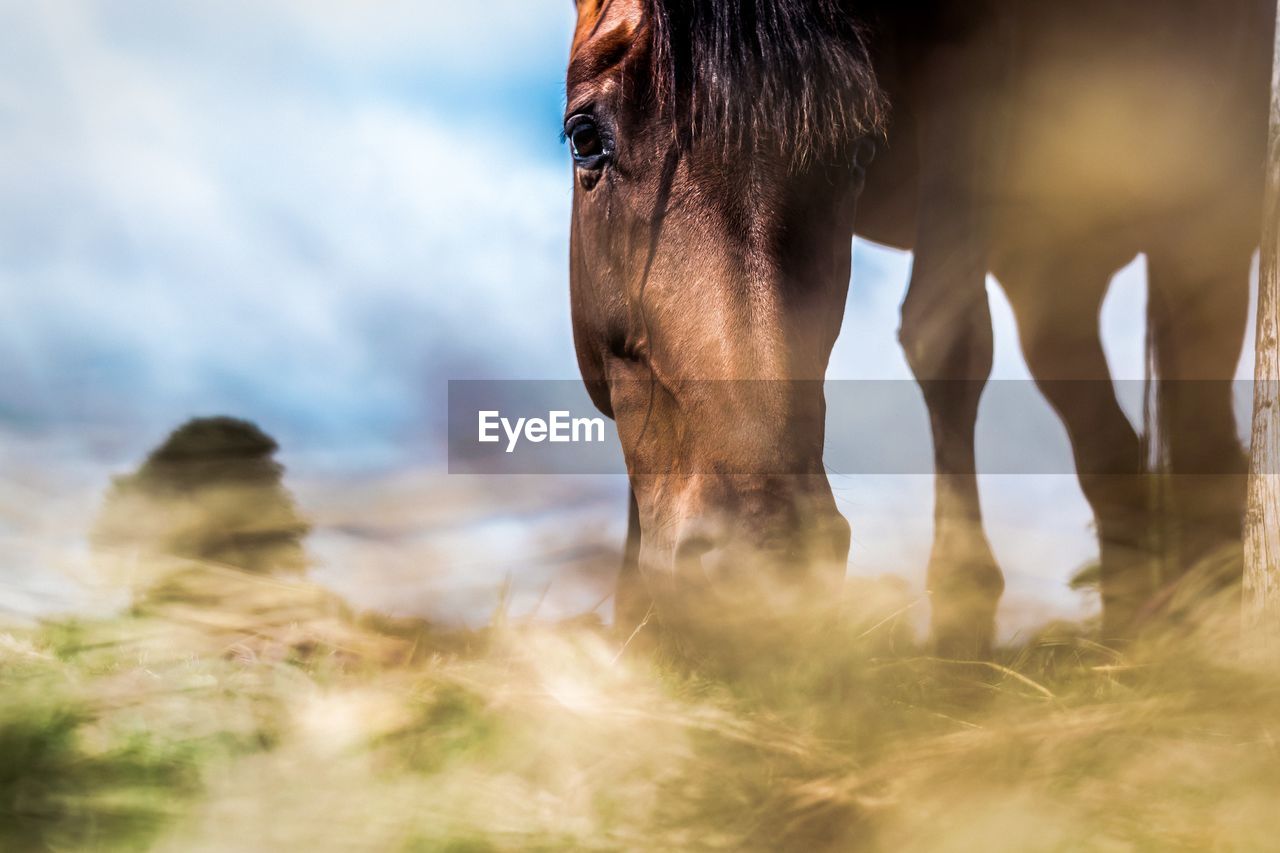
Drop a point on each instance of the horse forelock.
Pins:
(793, 76)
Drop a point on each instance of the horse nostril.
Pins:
(691, 549)
(697, 545)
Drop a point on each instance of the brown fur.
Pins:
(1047, 143)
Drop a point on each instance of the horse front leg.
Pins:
(946, 334)
(946, 319)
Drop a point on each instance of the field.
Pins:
(229, 711)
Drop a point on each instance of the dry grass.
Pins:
(238, 712)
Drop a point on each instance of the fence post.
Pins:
(1262, 519)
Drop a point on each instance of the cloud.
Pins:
(184, 230)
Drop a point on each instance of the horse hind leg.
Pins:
(1056, 297)
(1199, 291)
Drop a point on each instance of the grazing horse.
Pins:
(722, 153)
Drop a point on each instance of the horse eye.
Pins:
(586, 142)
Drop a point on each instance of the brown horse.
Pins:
(720, 147)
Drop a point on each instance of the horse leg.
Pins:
(1056, 298)
(946, 334)
(1199, 306)
(946, 321)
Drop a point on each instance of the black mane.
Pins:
(790, 75)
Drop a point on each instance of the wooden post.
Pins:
(1262, 520)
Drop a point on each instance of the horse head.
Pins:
(717, 152)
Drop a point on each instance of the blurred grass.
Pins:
(230, 711)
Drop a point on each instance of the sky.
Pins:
(313, 214)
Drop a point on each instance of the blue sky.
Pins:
(313, 213)
(309, 213)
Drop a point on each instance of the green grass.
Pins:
(269, 717)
